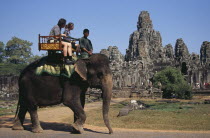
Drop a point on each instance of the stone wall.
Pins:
(8, 87)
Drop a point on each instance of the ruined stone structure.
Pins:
(8, 87)
(145, 56)
(145, 43)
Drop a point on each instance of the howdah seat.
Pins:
(51, 43)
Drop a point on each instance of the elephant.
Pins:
(46, 90)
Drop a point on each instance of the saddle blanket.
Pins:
(55, 69)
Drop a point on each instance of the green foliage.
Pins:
(11, 69)
(1, 52)
(18, 50)
(15, 69)
(183, 91)
(16, 56)
(173, 84)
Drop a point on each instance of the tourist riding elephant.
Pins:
(45, 90)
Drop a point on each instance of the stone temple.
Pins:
(146, 55)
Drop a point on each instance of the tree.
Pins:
(18, 51)
(173, 83)
(34, 58)
(11, 69)
(1, 52)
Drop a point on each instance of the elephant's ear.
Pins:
(81, 69)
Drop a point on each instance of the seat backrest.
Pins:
(50, 43)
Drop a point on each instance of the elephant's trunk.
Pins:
(107, 94)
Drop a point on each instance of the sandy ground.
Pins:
(51, 119)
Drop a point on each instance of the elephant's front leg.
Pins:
(79, 115)
(36, 128)
(82, 101)
(71, 98)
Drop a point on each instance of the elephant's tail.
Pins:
(18, 104)
(19, 96)
(18, 108)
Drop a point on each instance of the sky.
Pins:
(110, 21)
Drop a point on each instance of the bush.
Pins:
(183, 91)
(11, 69)
(173, 84)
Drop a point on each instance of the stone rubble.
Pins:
(133, 105)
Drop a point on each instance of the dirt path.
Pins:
(51, 119)
(53, 114)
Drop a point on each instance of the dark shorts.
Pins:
(73, 45)
(66, 39)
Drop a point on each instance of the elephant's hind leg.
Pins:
(18, 122)
(36, 127)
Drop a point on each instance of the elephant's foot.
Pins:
(77, 129)
(111, 131)
(17, 125)
(37, 129)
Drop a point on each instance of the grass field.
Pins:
(160, 116)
